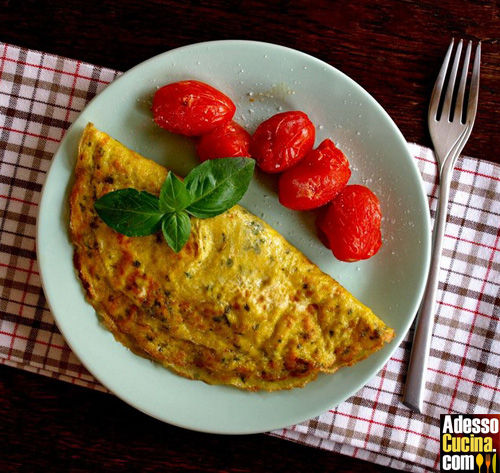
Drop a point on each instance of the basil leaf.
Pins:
(217, 185)
(173, 195)
(209, 189)
(176, 227)
(130, 212)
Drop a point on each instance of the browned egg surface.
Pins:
(238, 305)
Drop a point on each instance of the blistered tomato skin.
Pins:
(352, 224)
(282, 141)
(229, 140)
(191, 107)
(316, 180)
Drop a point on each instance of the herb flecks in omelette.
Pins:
(267, 319)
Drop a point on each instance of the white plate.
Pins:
(262, 79)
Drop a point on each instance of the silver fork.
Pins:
(449, 132)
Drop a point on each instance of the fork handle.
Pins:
(417, 367)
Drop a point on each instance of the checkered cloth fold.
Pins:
(41, 94)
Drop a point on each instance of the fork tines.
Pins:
(456, 95)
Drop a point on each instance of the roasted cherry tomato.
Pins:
(226, 141)
(282, 141)
(191, 107)
(351, 224)
(316, 180)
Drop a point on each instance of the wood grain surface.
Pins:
(392, 48)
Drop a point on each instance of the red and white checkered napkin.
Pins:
(41, 94)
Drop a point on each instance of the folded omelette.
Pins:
(238, 305)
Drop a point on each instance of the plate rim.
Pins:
(311, 412)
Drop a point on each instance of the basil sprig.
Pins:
(208, 190)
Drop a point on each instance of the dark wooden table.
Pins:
(392, 48)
